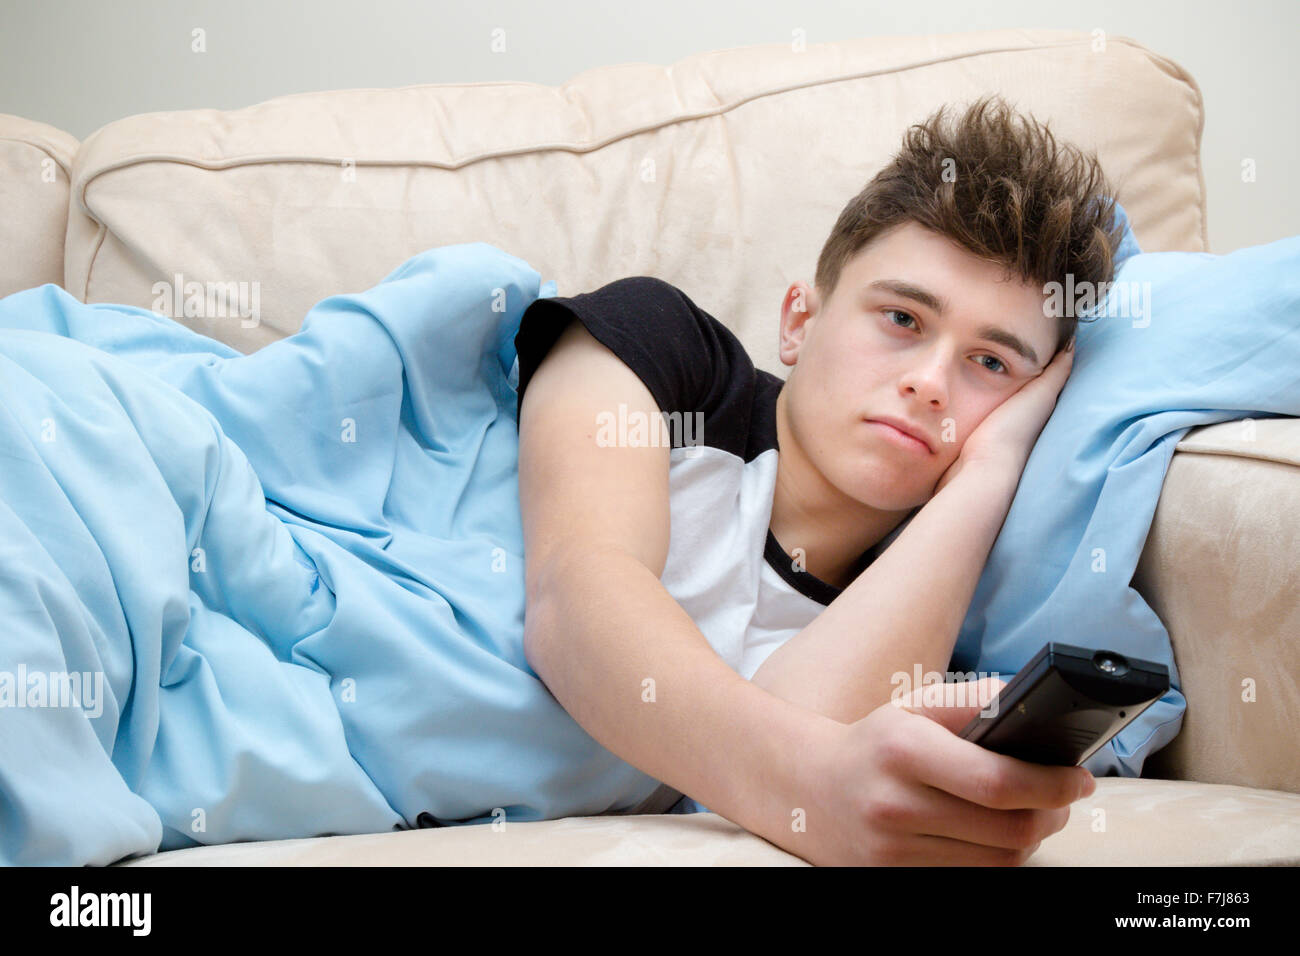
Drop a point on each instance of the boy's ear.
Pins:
(799, 307)
(805, 298)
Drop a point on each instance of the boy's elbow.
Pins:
(547, 578)
(537, 628)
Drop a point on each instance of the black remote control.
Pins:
(1066, 703)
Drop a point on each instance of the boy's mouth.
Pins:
(901, 434)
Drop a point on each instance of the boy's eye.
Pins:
(1001, 366)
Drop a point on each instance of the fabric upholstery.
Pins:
(722, 173)
(1126, 822)
(35, 162)
(1219, 569)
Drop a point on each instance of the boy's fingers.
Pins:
(944, 815)
(995, 780)
(980, 776)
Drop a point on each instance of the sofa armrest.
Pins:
(1220, 570)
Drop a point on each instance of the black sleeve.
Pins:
(689, 361)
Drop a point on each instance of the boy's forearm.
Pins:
(906, 608)
(628, 663)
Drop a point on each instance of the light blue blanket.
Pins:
(288, 586)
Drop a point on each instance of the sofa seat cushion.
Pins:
(1126, 822)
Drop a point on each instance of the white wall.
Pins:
(78, 64)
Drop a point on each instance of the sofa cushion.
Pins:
(1126, 822)
(35, 161)
(722, 173)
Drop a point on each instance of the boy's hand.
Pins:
(1007, 434)
(899, 787)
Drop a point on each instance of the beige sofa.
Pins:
(722, 173)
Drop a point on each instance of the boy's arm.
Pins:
(613, 646)
(906, 609)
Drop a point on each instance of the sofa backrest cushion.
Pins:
(35, 162)
(722, 173)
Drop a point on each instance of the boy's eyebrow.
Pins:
(990, 333)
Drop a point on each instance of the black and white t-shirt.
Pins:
(724, 565)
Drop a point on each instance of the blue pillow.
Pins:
(1180, 339)
(1128, 246)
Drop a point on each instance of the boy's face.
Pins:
(873, 350)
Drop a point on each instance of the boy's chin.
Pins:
(900, 500)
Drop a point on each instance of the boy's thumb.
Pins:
(955, 704)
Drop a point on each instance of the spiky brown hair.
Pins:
(999, 185)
